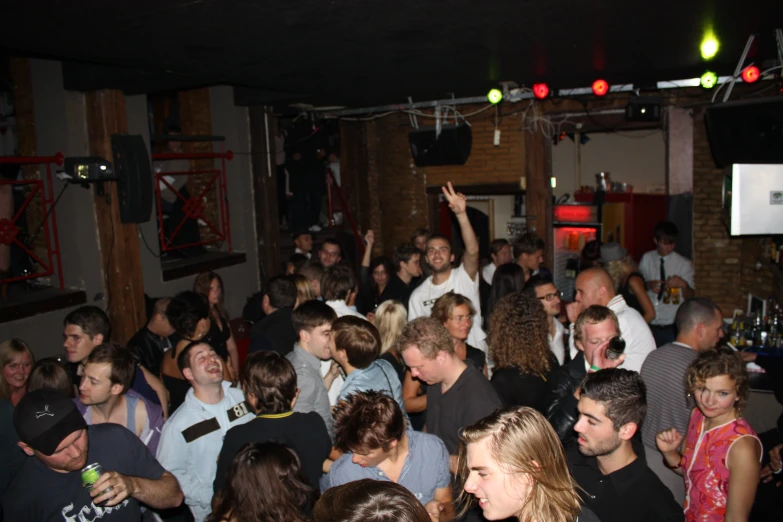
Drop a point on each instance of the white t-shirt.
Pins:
(639, 341)
(556, 341)
(673, 264)
(425, 295)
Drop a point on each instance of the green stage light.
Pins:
(494, 96)
(709, 46)
(709, 79)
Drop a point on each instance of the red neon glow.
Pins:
(575, 213)
(750, 74)
(540, 90)
(600, 87)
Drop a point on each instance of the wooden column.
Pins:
(538, 198)
(119, 242)
(265, 191)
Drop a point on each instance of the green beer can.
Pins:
(90, 475)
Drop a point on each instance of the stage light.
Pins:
(709, 46)
(540, 90)
(709, 79)
(600, 87)
(495, 96)
(750, 74)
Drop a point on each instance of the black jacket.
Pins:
(274, 332)
(148, 349)
(561, 409)
(368, 301)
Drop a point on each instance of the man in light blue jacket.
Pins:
(356, 346)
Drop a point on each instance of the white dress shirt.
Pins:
(488, 272)
(673, 264)
(556, 341)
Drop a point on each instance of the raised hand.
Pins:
(457, 201)
(369, 238)
(668, 441)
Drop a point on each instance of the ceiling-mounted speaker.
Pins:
(746, 132)
(451, 147)
(133, 168)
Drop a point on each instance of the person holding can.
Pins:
(50, 486)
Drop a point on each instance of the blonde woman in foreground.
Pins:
(513, 464)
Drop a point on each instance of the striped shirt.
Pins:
(664, 373)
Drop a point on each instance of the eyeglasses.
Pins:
(550, 297)
(461, 318)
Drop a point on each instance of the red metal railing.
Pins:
(330, 185)
(9, 229)
(193, 206)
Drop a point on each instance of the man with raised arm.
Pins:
(462, 280)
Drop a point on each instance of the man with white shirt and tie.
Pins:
(669, 277)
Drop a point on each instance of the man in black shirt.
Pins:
(458, 394)
(407, 261)
(269, 382)
(149, 343)
(614, 481)
(276, 330)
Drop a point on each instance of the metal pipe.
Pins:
(739, 67)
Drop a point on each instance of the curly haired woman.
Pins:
(519, 347)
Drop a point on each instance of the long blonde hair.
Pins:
(521, 440)
(390, 319)
(8, 350)
(619, 268)
(304, 290)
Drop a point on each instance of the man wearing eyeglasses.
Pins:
(545, 290)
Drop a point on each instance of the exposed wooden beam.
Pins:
(265, 191)
(119, 242)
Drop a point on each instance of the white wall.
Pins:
(635, 157)
(231, 122)
(61, 126)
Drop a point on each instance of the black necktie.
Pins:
(663, 282)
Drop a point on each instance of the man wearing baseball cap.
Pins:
(48, 486)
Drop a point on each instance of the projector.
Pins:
(643, 109)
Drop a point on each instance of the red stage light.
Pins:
(540, 90)
(600, 87)
(750, 74)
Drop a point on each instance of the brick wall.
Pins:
(725, 266)
(487, 163)
(196, 120)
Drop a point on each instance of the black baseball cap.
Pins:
(300, 232)
(44, 418)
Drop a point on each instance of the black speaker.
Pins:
(746, 131)
(452, 147)
(133, 168)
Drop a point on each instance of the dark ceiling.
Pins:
(362, 53)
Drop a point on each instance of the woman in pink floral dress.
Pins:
(720, 455)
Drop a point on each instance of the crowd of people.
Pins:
(419, 389)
